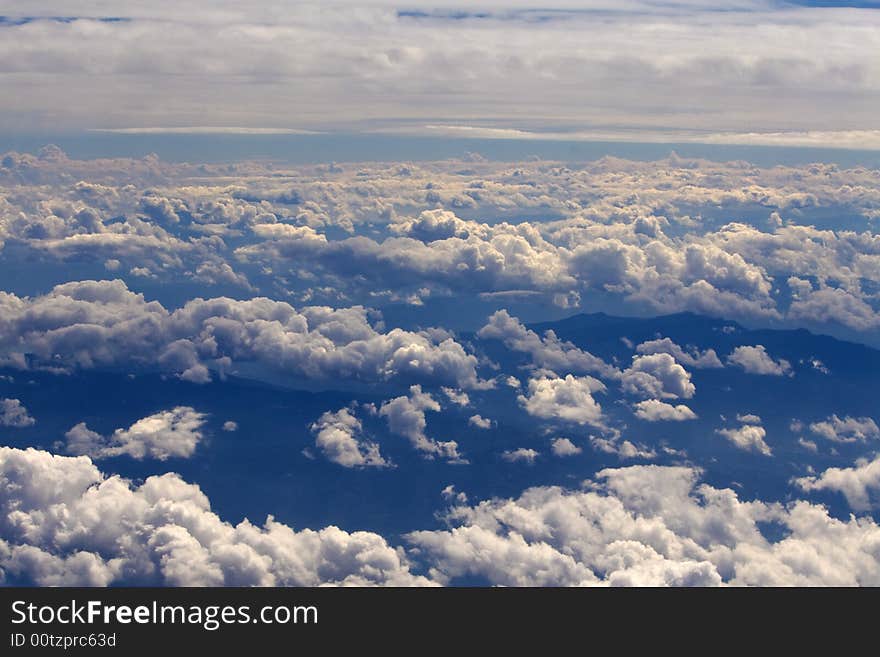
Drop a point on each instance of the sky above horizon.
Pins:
(747, 72)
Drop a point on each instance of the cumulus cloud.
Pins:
(520, 455)
(568, 399)
(756, 360)
(406, 417)
(809, 445)
(860, 484)
(14, 414)
(339, 437)
(748, 437)
(547, 351)
(693, 357)
(90, 529)
(640, 525)
(563, 447)
(102, 323)
(480, 422)
(610, 237)
(654, 410)
(450, 494)
(459, 397)
(496, 258)
(847, 429)
(621, 448)
(834, 306)
(659, 376)
(650, 526)
(167, 434)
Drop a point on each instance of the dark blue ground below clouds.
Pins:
(260, 469)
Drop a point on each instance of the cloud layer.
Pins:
(89, 529)
(102, 323)
(445, 69)
(648, 526)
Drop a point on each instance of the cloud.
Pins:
(205, 130)
(520, 455)
(90, 529)
(344, 62)
(493, 259)
(230, 425)
(568, 399)
(639, 525)
(563, 447)
(851, 139)
(88, 324)
(339, 438)
(654, 410)
(809, 445)
(451, 495)
(657, 375)
(859, 484)
(14, 414)
(756, 360)
(459, 397)
(480, 422)
(622, 449)
(616, 230)
(847, 429)
(167, 434)
(693, 357)
(648, 526)
(406, 417)
(749, 438)
(547, 352)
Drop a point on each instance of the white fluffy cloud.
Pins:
(89, 529)
(480, 422)
(641, 525)
(167, 434)
(847, 429)
(339, 437)
(756, 360)
(520, 455)
(547, 352)
(458, 397)
(649, 525)
(94, 323)
(406, 417)
(621, 448)
(563, 447)
(14, 414)
(610, 237)
(568, 399)
(748, 437)
(692, 357)
(657, 375)
(860, 484)
(654, 410)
